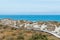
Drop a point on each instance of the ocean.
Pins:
(32, 17)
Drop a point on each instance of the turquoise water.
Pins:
(32, 17)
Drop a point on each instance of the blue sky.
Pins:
(29, 6)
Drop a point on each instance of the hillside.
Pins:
(27, 30)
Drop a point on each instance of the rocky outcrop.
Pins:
(51, 27)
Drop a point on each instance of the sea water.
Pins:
(32, 17)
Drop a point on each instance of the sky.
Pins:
(29, 6)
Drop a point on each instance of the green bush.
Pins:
(38, 37)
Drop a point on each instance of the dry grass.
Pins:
(11, 33)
